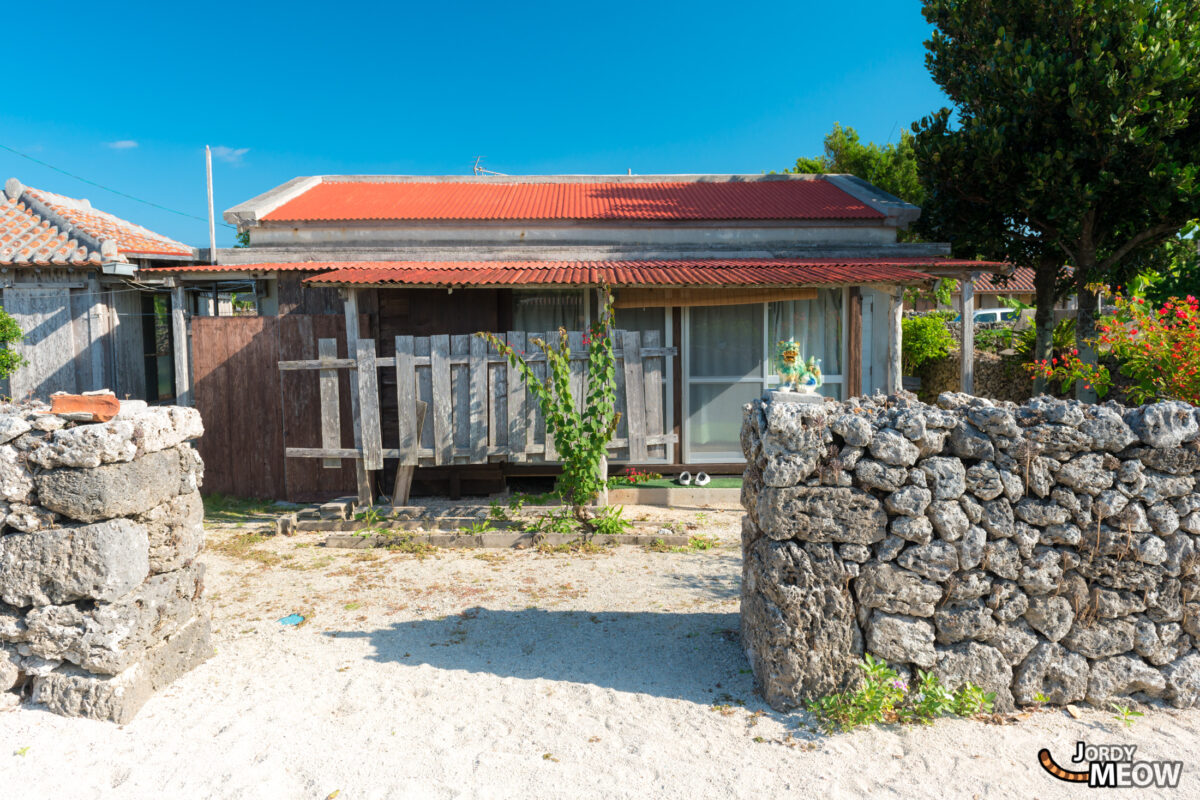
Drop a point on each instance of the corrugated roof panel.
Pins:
(662, 201)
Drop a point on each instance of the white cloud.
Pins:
(123, 144)
(230, 155)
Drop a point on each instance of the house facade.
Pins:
(69, 276)
(718, 267)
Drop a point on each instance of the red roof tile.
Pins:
(28, 240)
(130, 238)
(1021, 282)
(779, 199)
(676, 272)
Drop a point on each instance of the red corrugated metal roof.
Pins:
(1021, 282)
(675, 272)
(663, 201)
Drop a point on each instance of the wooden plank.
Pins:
(331, 362)
(402, 488)
(460, 392)
(550, 453)
(443, 421)
(478, 400)
(331, 420)
(517, 441)
(362, 479)
(368, 405)
(96, 328)
(854, 344)
(44, 315)
(635, 396)
(179, 332)
(455, 360)
(578, 371)
(652, 371)
(406, 402)
(497, 399)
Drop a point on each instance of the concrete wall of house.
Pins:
(364, 234)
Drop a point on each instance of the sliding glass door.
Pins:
(728, 353)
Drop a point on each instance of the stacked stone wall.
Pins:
(100, 527)
(1050, 549)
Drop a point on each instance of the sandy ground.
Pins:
(514, 674)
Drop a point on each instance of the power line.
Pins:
(107, 188)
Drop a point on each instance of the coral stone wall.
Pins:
(1049, 548)
(100, 526)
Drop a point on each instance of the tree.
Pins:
(891, 167)
(10, 334)
(1075, 138)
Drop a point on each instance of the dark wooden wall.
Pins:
(252, 411)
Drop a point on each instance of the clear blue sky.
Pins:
(128, 93)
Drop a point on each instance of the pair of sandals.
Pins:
(700, 479)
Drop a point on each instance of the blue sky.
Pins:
(127, 94)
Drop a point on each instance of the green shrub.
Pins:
(925, 339)
(886, 698)
(10, 334)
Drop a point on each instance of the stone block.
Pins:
(175, 531)
(117, 698)
(92, 562)
(119, 489)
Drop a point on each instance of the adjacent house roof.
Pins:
(713, 272)
(40, 228)
(1021, 282)
(636, 198)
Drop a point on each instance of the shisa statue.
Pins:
(796, 374)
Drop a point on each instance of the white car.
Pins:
(995, 314)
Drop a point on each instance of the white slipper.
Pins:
(685, 478)
(702, 479)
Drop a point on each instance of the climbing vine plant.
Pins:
(581, 437)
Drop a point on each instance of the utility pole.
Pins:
(212, 223)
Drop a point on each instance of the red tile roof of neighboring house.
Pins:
(131, 239)
(27, 239)
(1021, 282)
(39, 228)
(665, 200)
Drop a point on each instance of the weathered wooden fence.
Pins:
(474, 405)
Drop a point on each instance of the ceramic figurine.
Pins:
(788, 365)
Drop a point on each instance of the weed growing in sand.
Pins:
(608, 522)
(1125, 715)
(21, 751)
(406, 543)
(581, 546)
(696, 544)
(886, 698)
(242, 546)
(479, 527)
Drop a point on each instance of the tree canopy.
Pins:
(891, 167)
(1075, 137)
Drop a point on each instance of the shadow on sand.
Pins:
(687, 656)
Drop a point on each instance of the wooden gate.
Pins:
(459, 401)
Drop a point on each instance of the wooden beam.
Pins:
(895, 342)
(854, 344)
(350, 306)
(96, 331)
(368, 405)
(966, 302)
(331, 415)
(635, 395)
(183, 382)
(658, 297)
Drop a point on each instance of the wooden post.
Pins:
(854, 343)
(966, 302)
(331, 419)
(635, 396)
(368, 405)
(183, 383)
(350, 305)
(896, 342)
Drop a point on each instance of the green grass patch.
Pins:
(718, 482)
(223, 508)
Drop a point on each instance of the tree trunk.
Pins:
(1085, 326)
(1045, 276)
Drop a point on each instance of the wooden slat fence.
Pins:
(461, 402)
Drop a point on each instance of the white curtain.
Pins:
(815, 324)
(544, 311)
